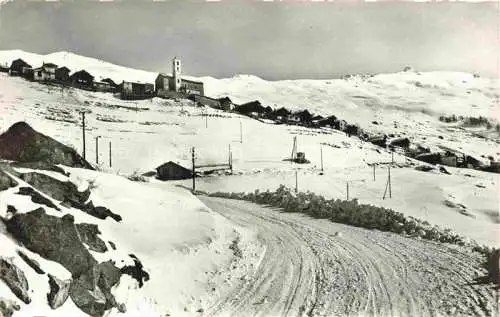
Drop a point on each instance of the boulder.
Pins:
(62, 191)
(36, 197)
(91, 292)
(54, 238)
(59, 291)
(88, 235)
(136, 271)
(8, 307)
(15, 279)
(32, 263)
(23, 144)
(6, 181)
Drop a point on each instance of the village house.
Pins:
(280, 114)
(327, 122)
(171, 86)
(252, 108)
(136, 91)
(226, 104)
(300, 117)
(172, 171)
(47, 72)
(112, 84)
(101, 86)
(83, 80)
(206, 101)
(62, 74)
(16, 67)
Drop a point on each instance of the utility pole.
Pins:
(83, 132)
(193, 171)
(321, 149)
(392, 157)
(109, 153)
(373, 171)
(390, 188)
(97, 149)
(296, 182)
(347, 186)
(230, 159)
(206, 119)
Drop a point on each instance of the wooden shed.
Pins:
(83, 80)
(136, 91)
(16, 67)
(172, 171)
(62, 74)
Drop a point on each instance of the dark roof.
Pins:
(252, 106)
(82, 73)
(173, 164)
(192, 81)
(63, 68)
(109, 81)
(49, 64)
(282, 111)
(225, 99)
(20, 62)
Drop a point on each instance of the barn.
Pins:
(83, 80)
(16, 67)
(136, 91)
(172, 171)
(62, 74)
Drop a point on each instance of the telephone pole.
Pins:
(347, 186)
(97, 149)
(321, 149)
(241, 133)
(193, 171)
(83, 132)
(109, 153)
(296, 182)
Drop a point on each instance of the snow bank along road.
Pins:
(314, 267)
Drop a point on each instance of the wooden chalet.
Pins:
(62, 74)
(16, 67)
(47, 72)
(82, 79)
(252, 108)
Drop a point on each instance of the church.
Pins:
(174, 85)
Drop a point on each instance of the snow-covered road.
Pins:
(315, 267)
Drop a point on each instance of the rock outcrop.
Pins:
(6, 181)
(32, 263)
(36, 197)
(15, 279)
(59, 291)
(88, 234)
(53, 238)
(22, 143)
(8, 307)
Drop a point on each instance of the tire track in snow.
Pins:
(309, 270)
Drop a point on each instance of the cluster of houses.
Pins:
(175, 86)
(165, 86)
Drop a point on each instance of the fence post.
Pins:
(347, 185)
(373, 171)
(241, 133)
(97, 149)
(321, 148)
(193, 171)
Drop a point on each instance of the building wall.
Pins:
(214, 103)
(192, 88)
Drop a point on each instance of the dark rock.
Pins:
(40, 165)
(100, 212)
(88, 234)
(59, 291)
(444, 170)
(32, 263)
(62, 191)
(23, 144)
(91, 292)
(15, 279)
(36, 197)
(11, 210)
(136, 271)
(6, 181)
(8, 307)
(53, 238)
(424, 168)
(113, 246)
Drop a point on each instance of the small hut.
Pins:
(172, 171)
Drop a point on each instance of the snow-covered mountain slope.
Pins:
(178, 240)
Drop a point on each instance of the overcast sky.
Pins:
(280, 40)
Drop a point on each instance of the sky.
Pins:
(272, 40)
